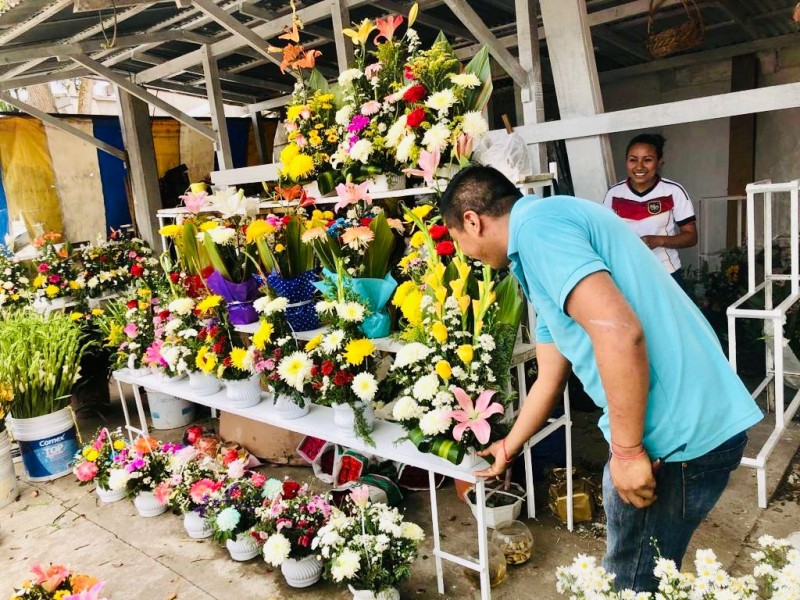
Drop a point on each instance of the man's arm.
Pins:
(620, 351)
(685, 239)
(543, 396)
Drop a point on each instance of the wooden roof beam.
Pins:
(735, 13)
(37, 19)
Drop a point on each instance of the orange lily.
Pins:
(387, 26)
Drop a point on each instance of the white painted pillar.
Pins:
(531, 96)
(216, 108)
(569, 43)
(344, 45)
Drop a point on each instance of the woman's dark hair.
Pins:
(484, 190)
(656, 140)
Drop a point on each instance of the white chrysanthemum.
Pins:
(352, 312)
(405, 148)
(221, 235)
(276, 549)
(406, 408)
(181, 306)
(345, 566)
(324, 306)
(410, 354)
(333, 341)
(268, 306)
(361, 151)
(465, 80)
(173, 325)
(441, 101)
(426, 387)
(117, 479)
(343, 115)
(436, 138)
(435, 422)
(295, 369)
(444, 400)
(474, 124)
(412, 531)
(93, 283)
(188, 333)
(365, 386)
(396, 132)
(349, 76)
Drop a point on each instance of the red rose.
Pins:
(365, 221)
(131, 304)
(327, 367)
(415, 93)
(137, 270)
(213, 331)
(164, 314)
(304, 541)
(206, 273)
(314, 371)
(445, 248)
(415, 117)
(408, 73)
(194, 433)
(290, 489)
(217, 348)
(174, 277)
(437, 231)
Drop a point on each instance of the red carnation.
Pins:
(194, 433)
(137, 270)
(103, 259)
(327, 367)
(445, 248)
(206, 273)
(342, 378)
(131, 304)
(174, 277)
(213, 331)
(201, 335)
(290, 489)
(164, 314)
(408, 73)
(227, 361)
(365, 221)
(437, 231)
(415, 117)
(314, 371)
(217, 348)
(415, 93)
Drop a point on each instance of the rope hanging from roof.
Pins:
(677, 38)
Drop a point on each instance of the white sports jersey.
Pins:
(661, 210)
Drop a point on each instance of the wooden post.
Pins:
(141, 165)
(222, 145)
(741, 143)
(569, 43)
(531, 97)
(258, 135)
(344, 45)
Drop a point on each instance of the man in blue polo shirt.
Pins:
(674, 413)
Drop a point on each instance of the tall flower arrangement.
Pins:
(56, 275)
(129, 328)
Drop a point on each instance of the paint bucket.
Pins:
(8, 479)
(48, 444)
(169, 412)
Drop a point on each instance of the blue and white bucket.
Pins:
(48, 444)
(169, 412)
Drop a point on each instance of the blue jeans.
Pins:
(686, 492)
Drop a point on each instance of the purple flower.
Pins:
(352, 139)
(358, 123)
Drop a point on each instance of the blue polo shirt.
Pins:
(695, 398)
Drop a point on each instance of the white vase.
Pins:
(8, 478)
(387, 594)
(109, 496)
(203, 384)
(287, 409)
(345, 419)
(243, 548)
(139, 372)
(243, 393)
(196, 526)
(165, 377)
(148, 506)
(387, 182)
(303, 572)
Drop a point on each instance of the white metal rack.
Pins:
(776, 315)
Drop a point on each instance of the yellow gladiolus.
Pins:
(357, 350)
(465, 353)
(439, 332)
(463, 304)
(360, 35)
(420, 212)
(443, 370)
(263, 335)
(417, 240)
(51, 290)
(170, 230)
(403, 290)
(313, 343)
(258, 229)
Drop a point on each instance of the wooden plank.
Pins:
(59, 124)
(344, 45)
(531, 97)
(143, 94)
(255, 174)
(40, 17)
(258, 135)
(222, 144)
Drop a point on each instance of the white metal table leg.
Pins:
(124, 402)
(140, 409)
(529, 491)
(568, 438)
(483, 543)
(437, 544)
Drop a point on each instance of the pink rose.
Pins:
(86, 471)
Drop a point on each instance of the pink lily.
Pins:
(351, 193)
(428, 163)
(475, 416)
(387, 26)
(464, 145)
(93, 593)
(153, 354)
(360, 496)
(195, 201)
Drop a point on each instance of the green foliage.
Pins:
(376, 257)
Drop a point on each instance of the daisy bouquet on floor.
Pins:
(194, 476)
(58, 582)
(289, 520)
(93, 463)
(232, 510)
(367, 545)
(56, 275)
(454, 369)
(15, 282)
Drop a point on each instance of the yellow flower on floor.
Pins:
(208, 303)
(205, 360)
(313, 343)
(51, 290)
(170, 230)
(263, 335)
(465, 353)
(403, 290)
(439, 332)
(301, 166)
(74, 316)
(417, 240)
(119, 444)
(357, 350)
(258, 229)
(39, 281)
(444, 370)
(238, 356)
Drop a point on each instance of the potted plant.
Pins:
(40, 361)
(94, 462)
(232, 512)
(147, 466)
(368, 546)
(57, 582)
(290, 520)
(8, 478)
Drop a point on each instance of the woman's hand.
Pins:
(501, 461)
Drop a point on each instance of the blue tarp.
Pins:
(112, 172)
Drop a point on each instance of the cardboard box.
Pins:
(267, 442)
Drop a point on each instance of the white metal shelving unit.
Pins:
(773, 315)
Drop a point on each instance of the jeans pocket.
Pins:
(705, 478)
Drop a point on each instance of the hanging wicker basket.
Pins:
(678, 38)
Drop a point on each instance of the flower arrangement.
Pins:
(232, 510)
(194, 477)
(777, 568)
(14, 281)
(40, 360)
(109, 265)
(146, 465)
(94, 461)
(367, 545)
(58, 582)
(289, 521)
(56, 275)
(129, 329)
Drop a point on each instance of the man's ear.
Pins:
(472, 222)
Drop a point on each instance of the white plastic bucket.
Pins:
(8, 479)
(48, 444)
(169, 412)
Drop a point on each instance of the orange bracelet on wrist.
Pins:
(643, 452)
(508, 460)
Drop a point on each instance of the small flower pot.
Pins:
(196, 526)
(287, 409)
(303, 572)
(243, 548)
(387, 594)
(203, 384)
(109, 496)
(165, 377)
(387, 182)
(345, 418)
(148, 506)
(507, 506)
(243, 393)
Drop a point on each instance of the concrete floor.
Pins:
(153, 559)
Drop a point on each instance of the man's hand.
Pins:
(634, 480)
(500, 465)
(653, 241)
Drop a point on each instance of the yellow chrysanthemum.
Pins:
(208, 303)
(170, 230)
(410, 307)
(357, 350)
(39, 281)
(301, 166)
(403, 290)
(119, 445)
(288, 154)
(443, 370)
(238, 356)
(51, 290)
(74, 285)
(205, 360)
(263, 335)
(417, 240)
(465, 353)
(258, 229)
(439, 332)
(292, 113)
(313, 343)
(209, 225)
(143, 305)
(420, 212)
(90, 454)
(144, 292)
(74, 316)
